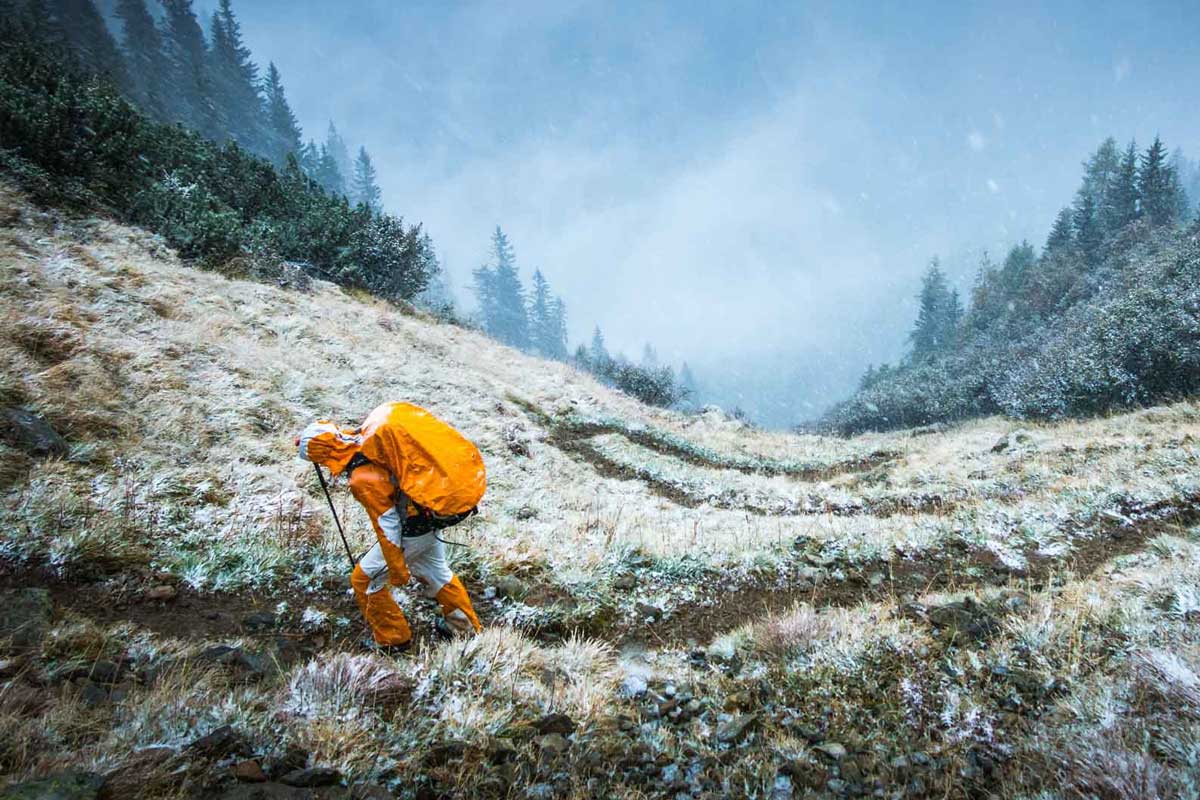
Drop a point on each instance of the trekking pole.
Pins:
(338, 522)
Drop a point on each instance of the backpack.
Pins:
(437, 468)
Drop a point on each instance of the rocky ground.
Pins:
(675, 605)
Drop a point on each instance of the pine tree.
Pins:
(282, 130)
(235, 82)
(147, 63)
(542, 333)
(600, 361)
(365, 188)
(328, 174)
(1089, 235)
(336, 146)
(436, 294)
(188, 89)
(501, 297)
(688, 390)
(89, 39)
(1100, 174)
(1162, 197)
(1123, 204)
(939, 315)
(558, 319)
(1061, 234)
(649, 356)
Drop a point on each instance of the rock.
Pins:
(138, 773)
(70, 784)
(647, 611)
(162, 593)
(1019, 436)
(219, 743)
(737, 700)
(445, 752)
(633, 686)
(92, 695)
(625, 582)
(831, 750)
(236, 657)
(837, 786)
(552, 743)
(31, 433)
(104, 672)
(501, 751)
(293, 758)
(511, 587)
(963, 621)
(248, 771)
(25, 616)
(736, 728)
(312, 777)
(259, 621)
(555, 723)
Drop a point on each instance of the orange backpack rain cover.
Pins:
(433, 464)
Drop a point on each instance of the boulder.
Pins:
(162, 593)
(70, 784)
(555, 723)
(31, 433)
(835, 751)
(736, 728)
(219, 743)
(25, 616)
(259, 621)
(553, 743)
(511, 587)
(312, 777)
(249, 771)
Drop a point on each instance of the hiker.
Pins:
(414, 475)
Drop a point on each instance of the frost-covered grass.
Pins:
(180, 392)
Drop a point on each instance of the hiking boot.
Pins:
(443, 631)
(386, 649)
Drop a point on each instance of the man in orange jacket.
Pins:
(396, 555)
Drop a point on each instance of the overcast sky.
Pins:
(753, 187)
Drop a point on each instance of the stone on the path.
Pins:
(735, 728)
(625, 582)
(246, 663)
(31, 433)
(650, 612)
(835, 751)
(1010, 440)
(963, 621)
(249, 771)
(511, 587)
(555, 723)
(70, 784)
(259, 621)
(25, 616)
(162, 593)
(312, 777)
(219, 743)
(553, 743)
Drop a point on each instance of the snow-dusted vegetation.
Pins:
(711, 607)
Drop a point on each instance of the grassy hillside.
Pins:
(717, 611)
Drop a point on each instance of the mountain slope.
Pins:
(716, 609)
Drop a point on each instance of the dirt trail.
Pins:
(957, 570)
(197, 616)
